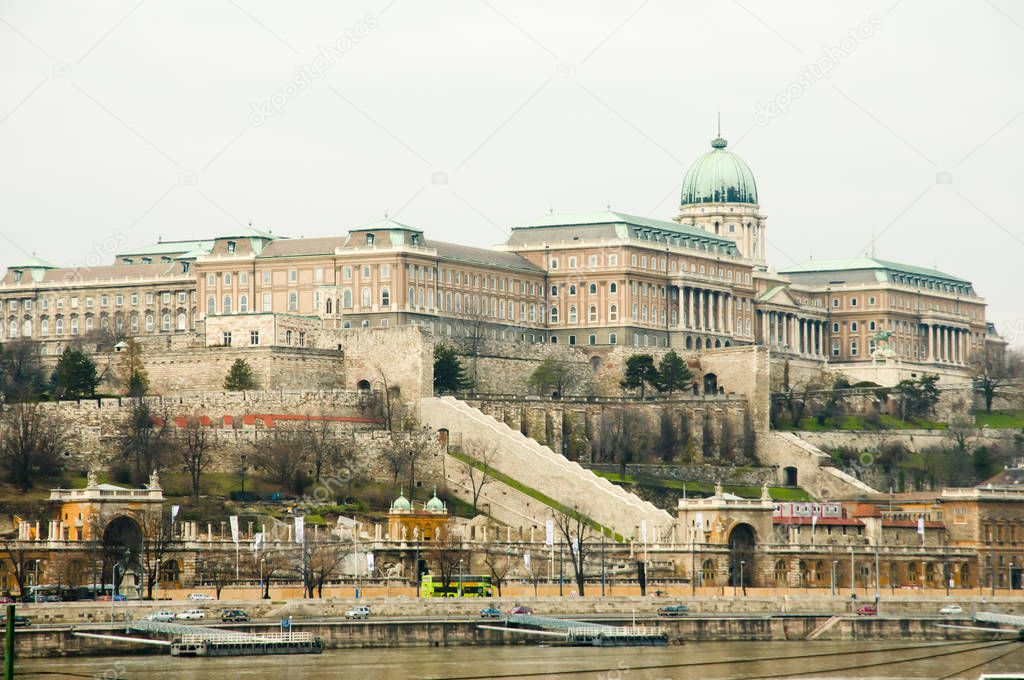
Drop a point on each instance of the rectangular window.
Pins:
(227, 338)
(293, 276)
(293, 301)
(266, 276)
(267, 307)
(118, 300)
(318, 274)
(254, 337)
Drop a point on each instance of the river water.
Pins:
(693, 660)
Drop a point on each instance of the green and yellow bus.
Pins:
(471, 585)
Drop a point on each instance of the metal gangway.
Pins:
(183, 629)
(583, 633)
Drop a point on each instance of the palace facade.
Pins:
(700, 281)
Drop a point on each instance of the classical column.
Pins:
(690, 303)
(729, 314)
(764, 329)
(720, 304)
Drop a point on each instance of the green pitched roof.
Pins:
(34, 263)
(872, 263)
(612, 217)
(168, 248)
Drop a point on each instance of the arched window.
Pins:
(165, 322)
(226, 304)
(149, 323)
(365, 296)
(554, 315)
(211, 306)
(572, 289)
(44, 327)
(346, 298)
(572, 313)
(613, 312)
(592, 313)
(26, 328)
(134, 324)
(554, 291)
(613, 287)
(59, 325)
(385, 297)
(243, 304)
(330, 303)
(593, 289)
(181, 321)
(411, 300)
(707, 573)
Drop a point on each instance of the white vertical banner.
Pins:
(549, 537)
(643, 530)
(698, 521)
(369, 563)
(526, 561)
(814, 522)
(920, 525)
(233, 521)
(174, 511)
(257, 541)
(300, 528)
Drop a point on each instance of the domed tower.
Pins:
(720, 196)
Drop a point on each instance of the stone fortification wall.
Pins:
(191, 369)
(813, 466)
(401, 356)
(708, 474)
(912, 440)
(543, 470)
(574, 426)
(234, 418)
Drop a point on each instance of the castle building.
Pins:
(698, 282)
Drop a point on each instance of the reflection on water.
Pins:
(695, 660)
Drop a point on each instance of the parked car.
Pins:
(867, 610)
(234, 615)
(520, 609)
(19, 621)
(490, 613)
(7, 599)
(115, 598)
(199, 596)
(674, 610)
(951, 610)
(191, 615)
(358, 612)
(162, 615)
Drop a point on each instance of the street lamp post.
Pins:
(460, 577)
(835, 563)
(742, 582)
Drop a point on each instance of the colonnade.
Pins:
(947, 344)
(705, 309)
(791, 333)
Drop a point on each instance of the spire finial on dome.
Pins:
(719, 133)
(718, 142)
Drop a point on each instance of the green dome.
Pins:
(401, 503)
(435, 504)
(719, 176)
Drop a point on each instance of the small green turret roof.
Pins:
(34, 263)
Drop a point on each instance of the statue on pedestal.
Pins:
(92, 481)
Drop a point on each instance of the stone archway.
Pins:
(742, 542)
(363, 385)
(710, 383)
(122, 546)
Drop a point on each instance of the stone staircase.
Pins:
(538, 467)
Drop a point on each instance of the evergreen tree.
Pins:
(449, 375)
(75, 375)
(673, 374)
(132, 371)
(240, 377)
(640, 372)
(552, 374)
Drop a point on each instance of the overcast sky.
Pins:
(121, 122)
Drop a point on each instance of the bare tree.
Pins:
(281, 457)
(446, 552)
(219, 569)
(193, 449)
(271, 562)
(32, 443)
(499, 563)
(322, 443)
(158, 545)
(16, 554)
(574, 530)
(325, 559)
(478, 468)
(996, 372)
(472, 331)
(143, 440)
(393, 453)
